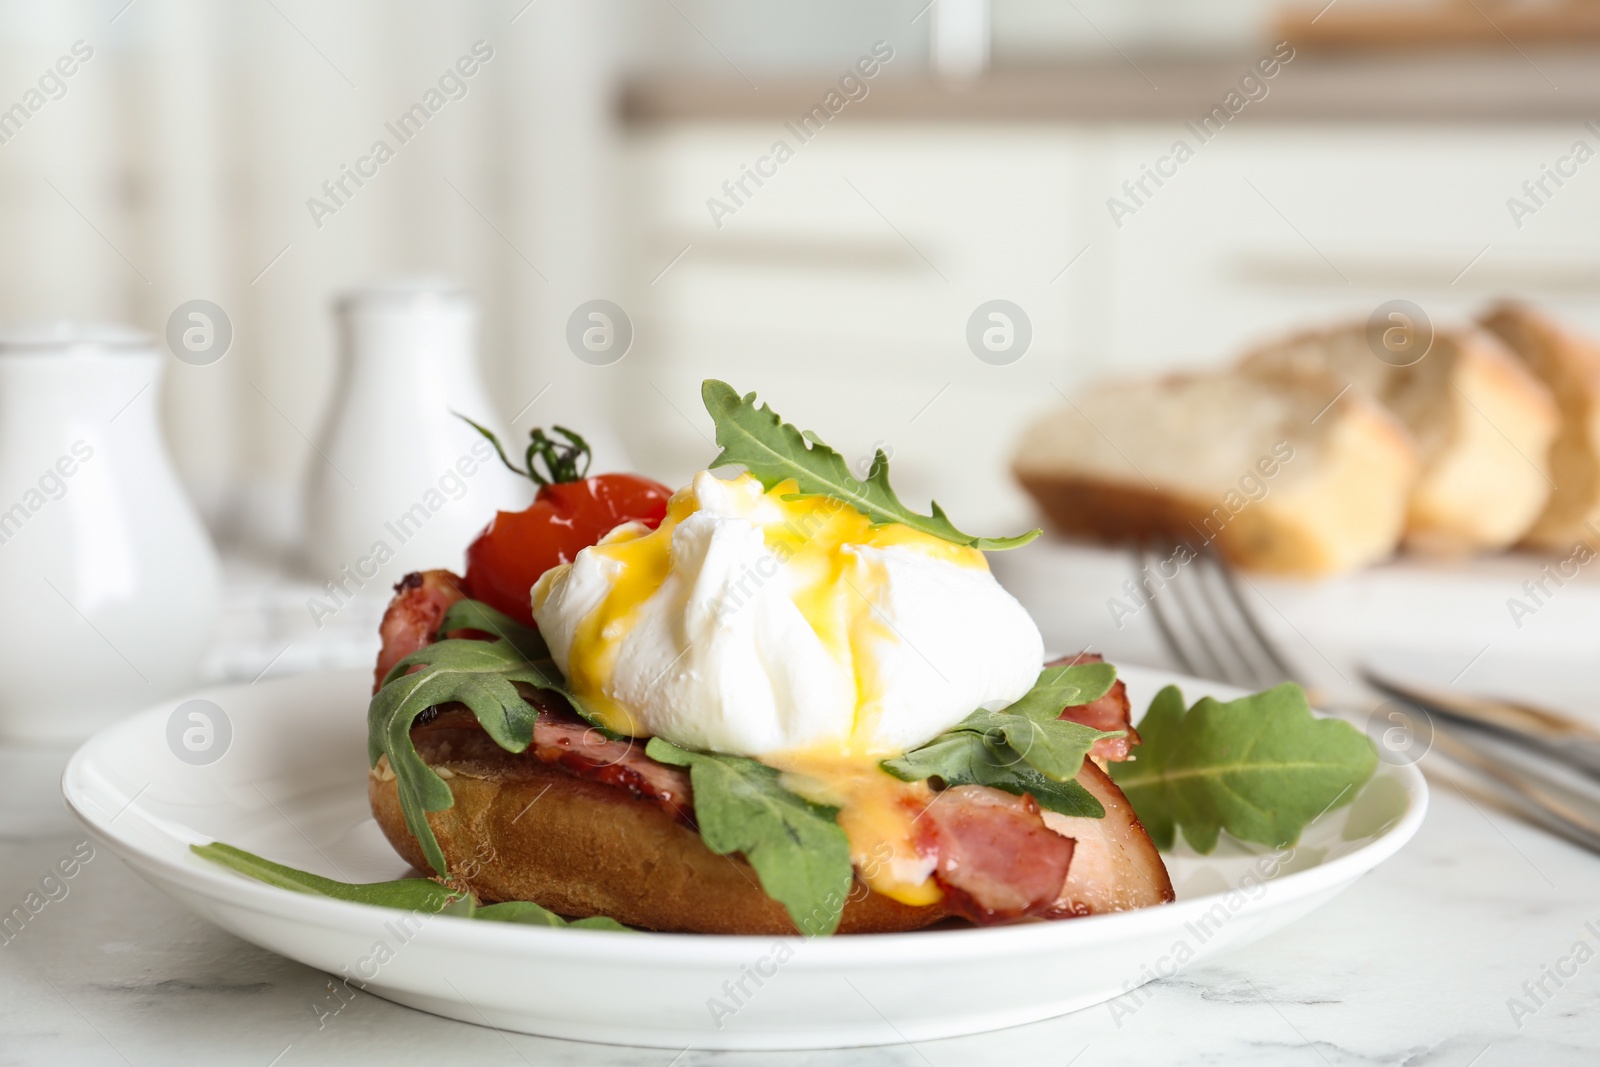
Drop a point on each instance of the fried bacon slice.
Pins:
(413, 616)
(1111, 712)
(1115, 866)
(997, 860)
(561, 739)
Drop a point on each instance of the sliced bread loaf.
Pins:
(1569, 364)
(1481, 422)
(1279, 475)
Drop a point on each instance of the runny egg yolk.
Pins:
(815, 542)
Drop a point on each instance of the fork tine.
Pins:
(1265, 644)
(1220, 627)
(1203, 626)
(1188, 639)
(1220, 621)
(1211, 572)
(1221, 637)
(1163, 623)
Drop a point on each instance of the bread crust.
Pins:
(1482, 422)
(1492, 481)
(522, 830)
(1569, 364)
(1347, 510)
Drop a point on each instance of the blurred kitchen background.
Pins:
(580, 161)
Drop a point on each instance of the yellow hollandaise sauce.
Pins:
(877, 812)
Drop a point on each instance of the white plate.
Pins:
(291, 785)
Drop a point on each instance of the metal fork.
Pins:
(1205, 622)
(1209, 628)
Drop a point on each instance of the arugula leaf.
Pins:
(796, 847)
(1024, 748)
(479, 674)
(754, 436)
(1064, 686)
(528, 913)
(483, 675)
(413, 894)
(476, 615)
(410, 894)
(1055, 747)
(1261, 767)
(963, 758)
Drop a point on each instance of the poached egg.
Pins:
(752, 625)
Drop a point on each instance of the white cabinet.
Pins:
(1271, 226)
(841, 287)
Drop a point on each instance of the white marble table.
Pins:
(1416, 964)
(1413, 965)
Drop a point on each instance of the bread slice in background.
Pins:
(1481, 421)
(1281, 476)
(1569, 365)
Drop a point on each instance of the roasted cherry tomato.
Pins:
(570, 513)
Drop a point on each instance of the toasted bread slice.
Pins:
(1569, 365)
(521, 829)
(1282, 476)
(524, 830)
(1481, 421)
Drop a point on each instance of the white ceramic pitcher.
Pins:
(111, 587)
(400, 483)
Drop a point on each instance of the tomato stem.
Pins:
(564, 461)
